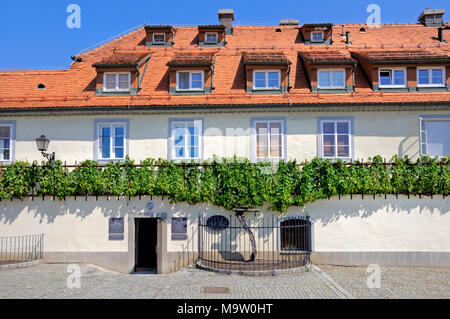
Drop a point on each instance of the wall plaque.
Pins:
(116, 228)
(217, 222)
(179, 228)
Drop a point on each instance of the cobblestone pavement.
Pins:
(50, 281)
(396, 282)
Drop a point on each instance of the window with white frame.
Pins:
(159, 38)
(269, 139)
(266, 80)
(430, 76)
(112, 140)
(186, 139)
(435, 136)
(211, 37)
(116, 82)
(317, 36)
(6, 142)
(392, 78)
(336, 139)
(331, 79)
(190, 80)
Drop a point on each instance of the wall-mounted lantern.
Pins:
(42, 145)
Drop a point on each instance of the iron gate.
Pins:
(254, 245)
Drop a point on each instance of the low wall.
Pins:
(346, 231)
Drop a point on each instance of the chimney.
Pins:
(226, 18)
(289, 22)
(432, 17)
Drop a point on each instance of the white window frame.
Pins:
(391, 70)
(429, 69)
(197, 123)
(423, 133)
(331, 79)
(350, 137)
(112, 125)
(11, 143)
(163, 34)
(266, 77)
(190, 80)
(283, 139)
(322, 34)
(215, 33)
(117, 89)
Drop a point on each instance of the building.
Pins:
(273, 93)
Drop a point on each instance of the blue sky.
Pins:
(34, 34)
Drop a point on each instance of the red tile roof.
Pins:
(326, 55)
(75, 87)
(277, 58)
(121, 58)
(404, 54)
(192, 59)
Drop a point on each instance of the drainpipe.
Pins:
(212, 72)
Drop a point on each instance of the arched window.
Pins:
(295, 234)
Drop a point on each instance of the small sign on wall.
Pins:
(116, 228)
(179, 228)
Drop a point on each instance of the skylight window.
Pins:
(317, 36)
(159, 38)
(431, 77)
(211, 37)
(116, 82)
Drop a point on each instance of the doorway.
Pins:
(145, 244)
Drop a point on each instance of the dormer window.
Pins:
(392, 78)
(431, 77)
(331, 79)
(116, 82)
(159, 38)
(121, 73)
(211, 37)
(266, 80)
(190, 80)
(317, 36)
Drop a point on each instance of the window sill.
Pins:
(101, 92)
(174, 91)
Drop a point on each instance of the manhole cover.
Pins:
(216, 290)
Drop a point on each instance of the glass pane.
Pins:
(317, 36)
(423, 77)
(275, 150)
(385, 78)
(4, 131)
(119, 130)
(110, 81)
(328, 151)
(179, 140)
(105, 152)
(118, 141)
(183, 80)
(260, 79)
(6, 155)
(5, 143)
(119, 152)
(194, 151)
(211, 37)
(261, 128)
(338, 78)
(436, 76)
(342, 140)
(273, 79)
(328, 140)
(194, 141)
(261, 151)
(343, 151)
(399, 77)
(275, 128)
(158, 38)
(342, 127)
(328, 127)
(179, 152)
(324, 79)
(197, 82)
(105, 141)
(438, 138)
